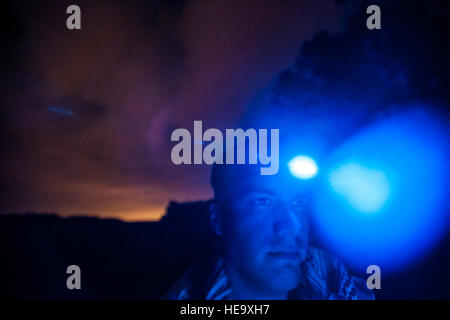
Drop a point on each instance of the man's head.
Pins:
(263, 224)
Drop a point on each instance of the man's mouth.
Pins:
(294, 255)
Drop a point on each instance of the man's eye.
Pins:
(299, 203)
(261, 202)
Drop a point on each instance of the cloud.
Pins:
(136, 71)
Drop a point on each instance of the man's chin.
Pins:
(286, 277)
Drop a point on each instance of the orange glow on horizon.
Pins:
(142, 215)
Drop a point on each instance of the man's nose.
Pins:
(287, 221)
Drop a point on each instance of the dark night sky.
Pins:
(140, 69)
(136, 71)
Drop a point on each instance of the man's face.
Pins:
(265, 231)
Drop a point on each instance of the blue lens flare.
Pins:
(303, 167)
(384, 200)
(366, 189)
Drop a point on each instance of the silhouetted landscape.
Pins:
(117, 259)
(140, 260)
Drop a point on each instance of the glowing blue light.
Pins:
(365, 189)
(384, 198)
(303, 167)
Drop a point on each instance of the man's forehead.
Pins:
(275, 184)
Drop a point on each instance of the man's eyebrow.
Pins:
(249, 190)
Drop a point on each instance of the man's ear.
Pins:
(215, 217)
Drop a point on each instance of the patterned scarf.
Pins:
(324, 277)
